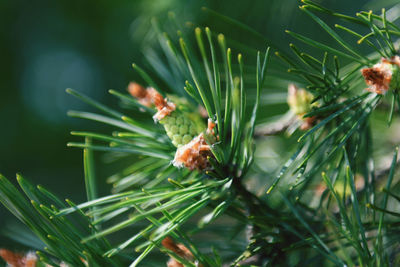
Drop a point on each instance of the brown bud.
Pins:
(308, 123)
(149, 97)
(383, 75)
(194, 155)
(18, 260)
(136, 90)
(178, 249)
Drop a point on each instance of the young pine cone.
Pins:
(193, 149)
(180, 129)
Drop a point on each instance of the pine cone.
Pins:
(180, 129)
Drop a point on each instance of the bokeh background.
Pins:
(47, 46)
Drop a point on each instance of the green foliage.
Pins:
(344, 223)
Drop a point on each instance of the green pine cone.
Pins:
(180, 128)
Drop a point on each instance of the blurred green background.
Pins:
(47, 46)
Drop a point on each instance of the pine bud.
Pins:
(149, 97)
(194, 155)
(299, 100)
(180, 250)
(383, 76)
(16, 259)
(180, 129)
(300, 103)
(139, 92)
(180, 126)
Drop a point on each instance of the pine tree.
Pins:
(190, 140)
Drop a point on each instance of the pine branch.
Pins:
(186, 187)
